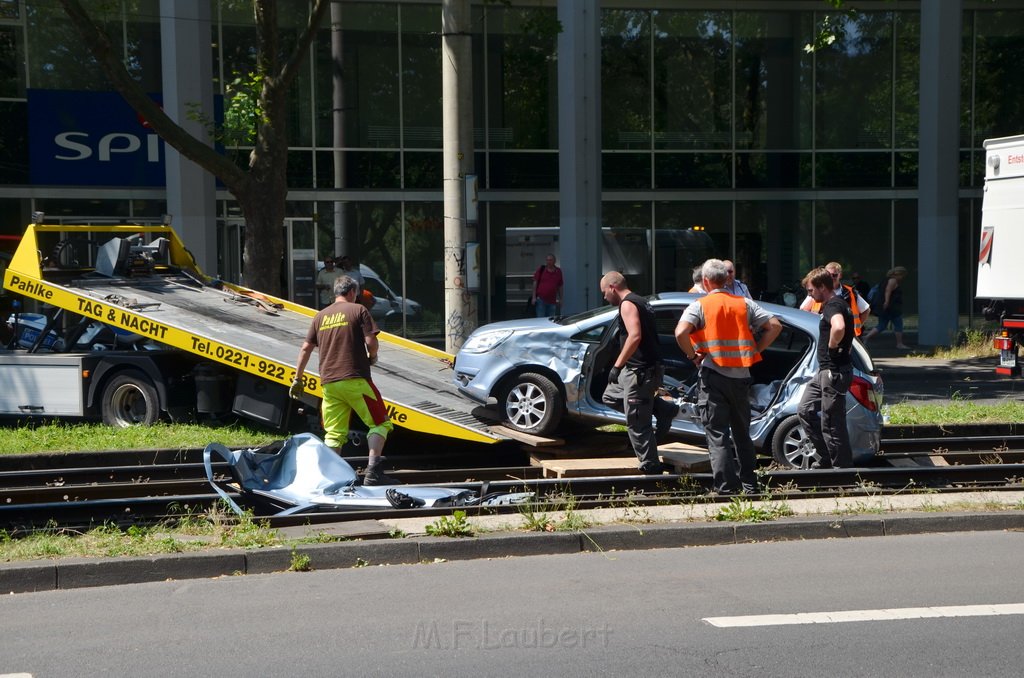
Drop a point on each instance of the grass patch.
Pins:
(954, 412)
(972, 343)
(64, 437)
(214, 529)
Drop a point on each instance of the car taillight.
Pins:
(861, 390)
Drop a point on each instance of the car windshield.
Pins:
(580, 317)
(594, 312)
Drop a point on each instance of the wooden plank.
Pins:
(681, 447)
(694, 460)
(532, 440)
(579, 468)
(929, 460)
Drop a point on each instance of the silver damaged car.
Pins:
(537, 371)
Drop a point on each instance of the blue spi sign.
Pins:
(93, 139)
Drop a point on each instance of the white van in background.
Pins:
(388, 309)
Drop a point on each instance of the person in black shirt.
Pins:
(636, 368)
(822, 409)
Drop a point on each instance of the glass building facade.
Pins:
(720, 135)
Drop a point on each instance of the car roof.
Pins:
(793, 316)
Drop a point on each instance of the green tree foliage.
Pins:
(261, 96)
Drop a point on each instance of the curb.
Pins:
(23, 577)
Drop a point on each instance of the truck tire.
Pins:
(130, 399)
(531, 403)
(791, 447)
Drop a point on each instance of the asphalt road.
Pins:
(618, 613)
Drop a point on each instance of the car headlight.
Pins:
(485, 341)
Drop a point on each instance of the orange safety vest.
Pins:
(857, 324)
(726, 337)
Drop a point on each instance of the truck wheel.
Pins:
(791, 447)
(531, 403)
(129, 399)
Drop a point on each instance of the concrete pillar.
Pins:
(187, 57)
(579, 153)
(938, 172)
(457, 90)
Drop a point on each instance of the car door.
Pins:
(602, 353)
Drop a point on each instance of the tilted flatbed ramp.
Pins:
(240, 328)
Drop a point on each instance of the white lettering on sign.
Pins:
(109, 144)
(64, 141)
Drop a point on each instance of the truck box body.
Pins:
(1000, 275)
(1000, 271)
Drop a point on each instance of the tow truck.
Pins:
(1000, 278)
(130, 330)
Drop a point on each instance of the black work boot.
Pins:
(376, 476)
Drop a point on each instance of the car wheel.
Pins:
(531, 403)
(130, 399)
(791, 446)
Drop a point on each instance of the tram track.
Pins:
(148, 493)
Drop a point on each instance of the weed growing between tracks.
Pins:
(744, 511)
(556, 513)
(455, 525)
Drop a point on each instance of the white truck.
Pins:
(1000, 278)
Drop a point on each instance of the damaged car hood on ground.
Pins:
(302, 474)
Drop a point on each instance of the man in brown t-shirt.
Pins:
(345, 336)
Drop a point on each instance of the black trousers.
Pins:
(822, 412)
(724, 408)
(636, 388)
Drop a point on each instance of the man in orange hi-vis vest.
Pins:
(717, 333)
(859, 307)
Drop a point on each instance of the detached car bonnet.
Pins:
(303, 474)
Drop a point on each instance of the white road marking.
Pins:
(866, 615)
(15, 675)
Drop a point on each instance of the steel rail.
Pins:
(149, 497)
